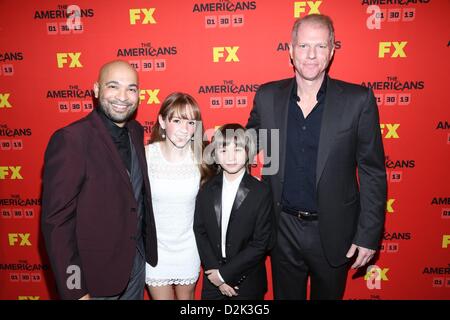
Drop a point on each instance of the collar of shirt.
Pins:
(227, 184)
(320, 94)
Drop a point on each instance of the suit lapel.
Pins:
(104, 135)
(281, 107)
(216, 189)
(138, 147)
(330, 123)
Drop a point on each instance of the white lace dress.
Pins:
(174, 187)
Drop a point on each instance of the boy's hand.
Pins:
(227, 290)
(213, 277)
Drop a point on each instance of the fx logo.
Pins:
(13, 172)
(135, 15)
(389, 207)
(300, 7)
(152, 96)
(14, 237)
(399, 49)
(392, 130)
(445, 241)
(4, 103)
(63, 57)
(374, 276)
(218, 53)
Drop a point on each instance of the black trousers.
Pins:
(298, 254)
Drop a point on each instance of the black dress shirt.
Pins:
(299, 188)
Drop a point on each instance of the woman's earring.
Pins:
(163, 135)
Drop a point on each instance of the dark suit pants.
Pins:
(298, 254)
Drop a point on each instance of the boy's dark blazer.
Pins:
(250, 235)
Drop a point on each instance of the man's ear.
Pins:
(291, 51)
(96, 89)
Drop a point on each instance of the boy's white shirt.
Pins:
(229, 190)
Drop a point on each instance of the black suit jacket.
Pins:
(350, 173)
(88, 214)
(249, 233)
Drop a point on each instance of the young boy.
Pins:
(233, 222)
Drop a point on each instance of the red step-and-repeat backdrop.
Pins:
(220, 52)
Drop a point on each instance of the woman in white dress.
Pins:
(176, 171)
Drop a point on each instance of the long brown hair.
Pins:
(176, 104)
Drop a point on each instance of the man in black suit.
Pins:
(330, 190)
(97, 217)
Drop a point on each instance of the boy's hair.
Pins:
(234, 133)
